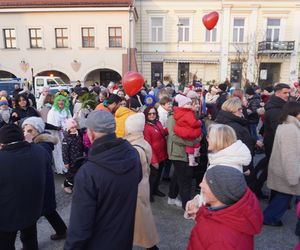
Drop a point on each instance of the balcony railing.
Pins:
(276, 47)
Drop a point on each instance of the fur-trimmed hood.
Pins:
(45, 137)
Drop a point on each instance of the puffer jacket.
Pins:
(236, 155)
(186, 125)
(231, 228)
(155, 135)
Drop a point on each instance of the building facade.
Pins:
(89, 40)
(255, 40)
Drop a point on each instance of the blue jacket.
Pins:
(22, 185)
(105, 194)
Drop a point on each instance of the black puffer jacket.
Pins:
(239, 125)
(272, 115)
(253, 105)
(72, 147)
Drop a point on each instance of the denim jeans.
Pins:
(277, 207)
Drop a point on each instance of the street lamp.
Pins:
(178, 33)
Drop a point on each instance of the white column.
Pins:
(225, 42)
(294, 56)
(253, 43)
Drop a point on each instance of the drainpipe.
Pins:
(141, 36)
(129, 40)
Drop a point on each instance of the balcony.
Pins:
(279, 47)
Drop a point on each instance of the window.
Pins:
(35, 36)
(238, 30)
(183, 29)
(61, 38)
(115, 37)
(88, 37)
(183, 72)
(9, 38)
(157, 69)
(39, 82)
(156, 29)
(211, 35)
(273, 29)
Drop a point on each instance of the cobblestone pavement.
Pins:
(173, 229)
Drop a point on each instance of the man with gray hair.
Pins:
(105, 190)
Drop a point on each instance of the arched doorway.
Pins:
(62, 75)
(6, 75)
(103, 76)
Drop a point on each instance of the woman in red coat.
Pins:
(231, 216)
(155, 135)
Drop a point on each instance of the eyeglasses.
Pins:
(152, 113)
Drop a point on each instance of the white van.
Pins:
(53, 82)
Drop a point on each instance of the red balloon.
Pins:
(132, 82)
(210, 20)
(296, 84)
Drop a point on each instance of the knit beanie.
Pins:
(3, 101)
(223, 86)
(250, 91)
(11, 133)
(182, 100)
(192, 94)
(226, 183)
(135, 123)
(35, 122)
(101, 121)
(70, 123)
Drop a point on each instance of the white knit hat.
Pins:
(35, 122)
(182, 100)
(135, 123)
(70, 123)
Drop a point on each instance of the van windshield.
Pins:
(51, 83)
(60, 81)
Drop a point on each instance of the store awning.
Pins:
(185, 60)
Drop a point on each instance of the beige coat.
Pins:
(145, 233)
(284, 165)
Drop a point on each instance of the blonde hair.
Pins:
(221, 136)
(232, 105)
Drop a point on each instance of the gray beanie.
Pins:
(35, 122)
(226, 183)
(101, 121)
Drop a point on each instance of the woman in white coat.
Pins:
(284, 165)
(57, 116)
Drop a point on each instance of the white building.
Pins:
(77, 40)
(255, 40)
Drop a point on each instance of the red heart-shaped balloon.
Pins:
(210, 20)
(132, 82)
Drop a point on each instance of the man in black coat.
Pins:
(105, 190)
(22, 185)
(273, 112)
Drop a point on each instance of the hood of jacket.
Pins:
(113, 154)
(122, 111)
(244, 216)
(236, 155)
(138, 140)
(275, 102)
(45, 137)
(225, 117)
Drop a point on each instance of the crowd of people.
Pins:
(114, 151)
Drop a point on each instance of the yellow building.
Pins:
(255, 40)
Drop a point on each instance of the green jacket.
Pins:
(176, 145)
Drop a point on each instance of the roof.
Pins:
(63, 3)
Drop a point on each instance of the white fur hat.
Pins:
(182, 100)
(135, 123)
(35, 122)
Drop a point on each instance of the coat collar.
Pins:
(293, 120)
